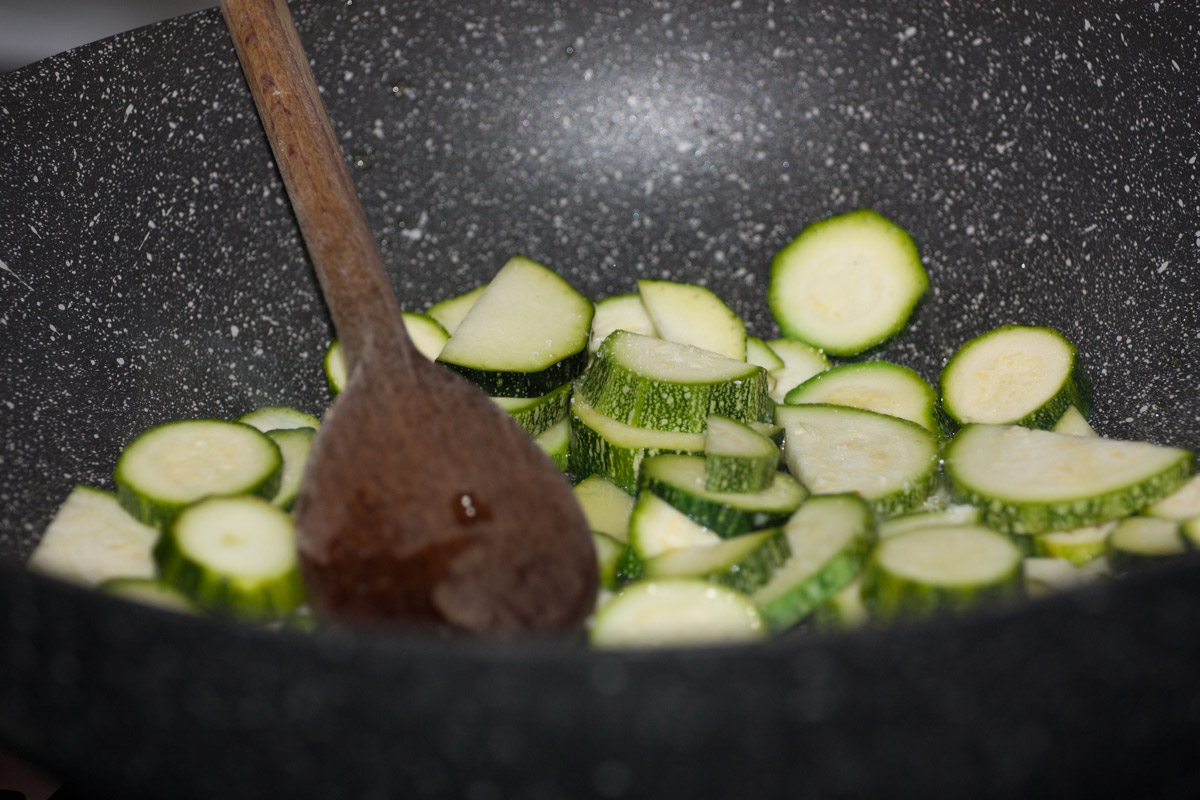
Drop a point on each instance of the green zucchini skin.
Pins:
(614, 450)
(888, 595)
(789, 598)
(500, 383)
(679, 479)
(620, 391)
(253, 598)
(536, 415)
(1074, 390)
(743, 562)
(1030, 516)
(738, 458)
(158, 511)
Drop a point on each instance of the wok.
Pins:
(1044, 161)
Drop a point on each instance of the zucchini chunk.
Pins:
(450, 312)
(656, 527)
(151, 592)
(760, 354)
(947, 568)
(609, 555)
(846, 283)
(675, 612)
(744, 562)
(622, 312)
(234, 555)
(426, 333)
(664, 385)
(828, 537)
(603, 446)
(555, 442)
(1032, 481)
(606, 506)
(1182, 504)
(892, 463)
(951, 515)
(92, 539)
(1013, 375)
(1077, 546)
(293, 445)
(538, 414)
(844, 610)
(175, 464)
(690, 314)
(526, 335)
(681, 481)
(737, 458)
(1140, 542)
(800, 362)
(278, 418)
(878, 386)
(1074, 423)
(1045, 575)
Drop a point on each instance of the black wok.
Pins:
(1045, 161)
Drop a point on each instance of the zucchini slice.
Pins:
(878, 386)
(1182, 504)
(656, 527)
(1032, 481)
(940, 569)
(1046, 575)
(1077, 546)
(278, 418)
(951, 515)
(846, 283)
(609, 555)
(675, 612)
(760, 354)
(690, 314)
(175, 464)
(427, 335)
(450, 312)
(892, 463)
(603, 446)
(665, 385)
(681, 481)
(737, 458)
(622, 312)
(92, 539)
(151, 592)
(555, 442)
(800, 362)
(1013, 375)
(526, 335)
(293, 444)
(844, 610)
(538, 414)
(606, 506)
(233, 554)
(744, 562)
(1074, 423)
(829, 537)
(1140, 542)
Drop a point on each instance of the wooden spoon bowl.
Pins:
(423, 503)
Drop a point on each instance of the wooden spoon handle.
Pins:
(318, 182)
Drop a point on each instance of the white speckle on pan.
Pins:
(1163, 267)
(234, 330)
(416, 232)
(6, 268)
(128, 111)
(907, 33)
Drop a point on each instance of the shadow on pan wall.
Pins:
(33, 29)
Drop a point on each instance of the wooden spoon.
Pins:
(423, 503)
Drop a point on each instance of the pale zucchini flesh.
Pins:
(1013, 375)
(800, 362)
(1077, 546)
(174, 464)
(691, 314)
(878, 386)
(622, 312)
(606, 506)
(1074, 423)
(278, 418)
(92, 539)
(525, 335)
(1140, 542)
(675, 612)
(1033, 481)
(941, 569)
(656, 527)
(892, 463)
(294, 445)
(829, 538)
(737, 457)
(744, 562)
(1182, 504)
(681, 481)
(450, 312)
(847, 283)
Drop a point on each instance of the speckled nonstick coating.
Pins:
(1044, 161)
